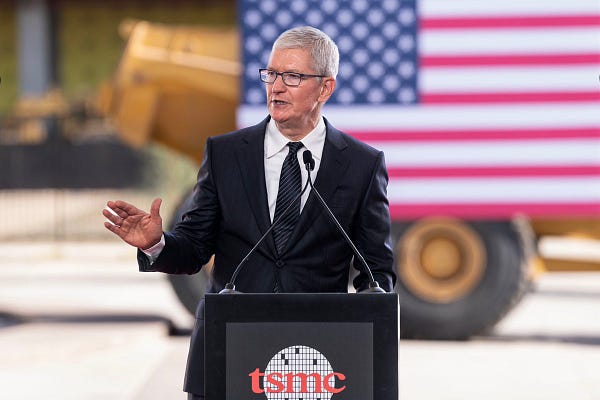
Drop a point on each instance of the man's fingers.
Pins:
(115, 219)
(114, 229)
(123, 209)
(120, 213)
(155, 208)
(112, 205)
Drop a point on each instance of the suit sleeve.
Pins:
(372, 231)
(191, 243)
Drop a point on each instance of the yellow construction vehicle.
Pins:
(173, 85)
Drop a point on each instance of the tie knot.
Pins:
(294, 147)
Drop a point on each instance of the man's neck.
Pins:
(296, 133)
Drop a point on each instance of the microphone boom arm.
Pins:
(373, 284)
(309, 162)
(230, 286)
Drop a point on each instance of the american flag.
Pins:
(484, 109)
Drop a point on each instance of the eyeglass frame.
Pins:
(284, 74)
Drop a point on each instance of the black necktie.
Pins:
(290, 185)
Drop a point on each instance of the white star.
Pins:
(407, 16)
(406, 96)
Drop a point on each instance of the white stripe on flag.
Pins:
(462, 117)
(512, 41)
(497, 190)
(519, 8)
(392, 117)
(491, 153)
(507, 79)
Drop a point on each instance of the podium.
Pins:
(309, 346)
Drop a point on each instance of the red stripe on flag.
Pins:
(511, 97)
(519, 171)
(510, 22)
(489, 211)
(507, 59)
(476, 134)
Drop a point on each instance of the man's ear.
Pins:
(327, 88)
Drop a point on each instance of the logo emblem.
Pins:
(297, 373)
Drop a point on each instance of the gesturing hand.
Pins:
(134, 226)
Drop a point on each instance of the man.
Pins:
(239, 193)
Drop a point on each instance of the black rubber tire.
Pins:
(188, 288)
(499, 289)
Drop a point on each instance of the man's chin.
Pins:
(277, 116)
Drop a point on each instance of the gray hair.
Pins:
(324, 51)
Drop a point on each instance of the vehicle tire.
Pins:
(456, 279)
(188, 288)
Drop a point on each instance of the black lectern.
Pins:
(301, 346)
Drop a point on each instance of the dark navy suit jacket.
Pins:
(231, 213)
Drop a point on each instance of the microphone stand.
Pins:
(230, 286)
(309, 162)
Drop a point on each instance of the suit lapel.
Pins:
(250, 157)
(334, 163)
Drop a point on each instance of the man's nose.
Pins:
(278, 85)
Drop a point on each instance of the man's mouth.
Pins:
(278, 102)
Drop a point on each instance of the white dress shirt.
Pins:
(275, 152)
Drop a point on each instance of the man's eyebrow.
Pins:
(283, 72)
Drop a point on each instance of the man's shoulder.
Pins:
(246, 133)
(344, 140)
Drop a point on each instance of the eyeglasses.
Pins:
(288, 78)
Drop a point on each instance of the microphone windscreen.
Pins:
(308, 159)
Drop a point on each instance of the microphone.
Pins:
(309, 163)
(230, 286)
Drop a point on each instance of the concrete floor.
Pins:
(77, 321)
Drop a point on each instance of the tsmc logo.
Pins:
(297, 373)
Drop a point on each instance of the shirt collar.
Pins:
(275, 141)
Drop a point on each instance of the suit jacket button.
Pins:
(279, 263)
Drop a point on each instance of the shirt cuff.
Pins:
(153, 252)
